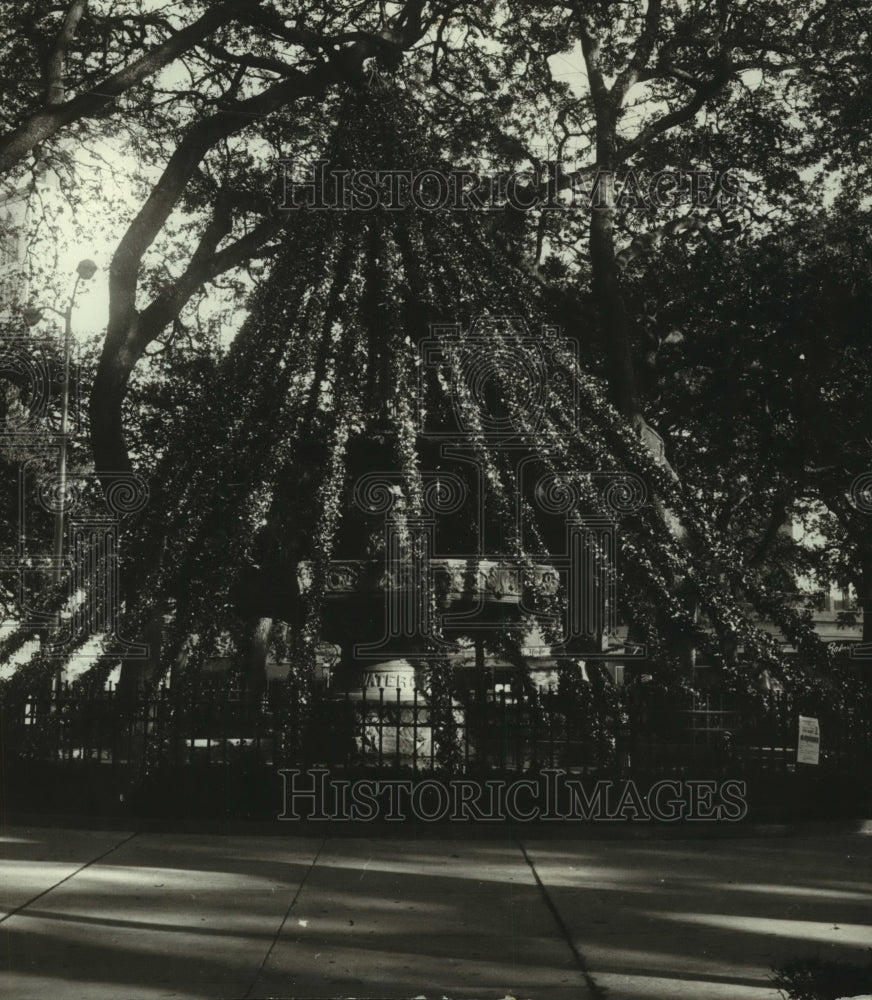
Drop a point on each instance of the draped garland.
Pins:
(328, 362)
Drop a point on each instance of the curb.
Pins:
(499, 830)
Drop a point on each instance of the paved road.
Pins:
(118, 915)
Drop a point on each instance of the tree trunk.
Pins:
(256, 655)
(108, 445)
(614, 323)
(617, 343)
(864, 594)
(864, 599)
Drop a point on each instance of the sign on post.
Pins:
(809, 746)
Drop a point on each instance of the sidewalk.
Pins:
(118, 915)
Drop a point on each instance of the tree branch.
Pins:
(205, 265)
(644, 49)
(704, 92)
(129, 332)
(45, 122)
(56, 70)
(590, 49)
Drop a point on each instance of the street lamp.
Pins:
(85, 270)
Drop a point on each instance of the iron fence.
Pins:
(624, 730)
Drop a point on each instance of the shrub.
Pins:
(819, 979)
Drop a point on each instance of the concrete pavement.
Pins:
(119, 915)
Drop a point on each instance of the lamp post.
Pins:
(85, 270)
